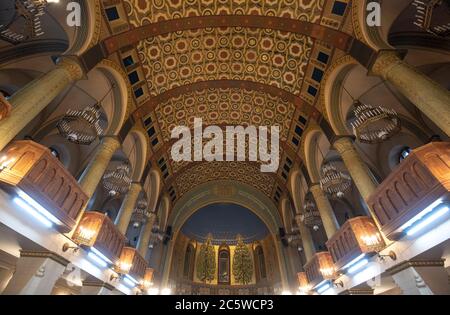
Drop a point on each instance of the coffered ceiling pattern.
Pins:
(247, 173)
(142, 12)
(225, 106)
(259, 55)
(217, 60)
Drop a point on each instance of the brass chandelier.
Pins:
(117, 181)
(22, 20)
(140, 212)
(424, 17)
(81, 126)
(311, 216)
(334, 182)
(374, 124)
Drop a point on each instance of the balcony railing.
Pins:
(418, 182)
(98, 231)
(320, 268)
(35, 175)
(356, 237)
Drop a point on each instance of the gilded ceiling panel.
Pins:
(142, 12)
(260, 55)
(248, 173)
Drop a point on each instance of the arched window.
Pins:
(189, 260)
(260, 263)
(224, 265)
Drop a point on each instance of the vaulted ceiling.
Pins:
(231, 63)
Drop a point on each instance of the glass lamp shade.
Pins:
(374, 124)
(148, 278)
(303, 281)
(126, 260)
(367, 234)
(88, 229)
(326, 265)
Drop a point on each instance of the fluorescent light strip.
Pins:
(423, 213)
(323, 288)
(359, 265)
(99, 254)
(97, 260)
(427, 221)
(38, 207)
(129, 281)
(37, 215)
(354, 261)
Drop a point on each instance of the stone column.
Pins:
(36, 273)
(144, 236)
(126, 210)
(428, 96)
(420, 277)
(327, 215)
(307, 241)
(96, 288)
(94, 171)
(29, 101)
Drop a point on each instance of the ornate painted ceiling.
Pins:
(229, 74)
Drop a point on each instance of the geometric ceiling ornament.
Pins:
(374, 125)
(21, 20)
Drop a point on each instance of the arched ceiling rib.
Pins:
(229, 63)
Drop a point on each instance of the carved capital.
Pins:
(72, 66)
(385, 61)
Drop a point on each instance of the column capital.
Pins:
(72, 65)
(385, 60)
(343, 143)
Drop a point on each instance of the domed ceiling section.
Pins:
(224, 222)
(217, 60)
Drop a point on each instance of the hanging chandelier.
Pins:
(374, 124)
(427, 19)
(21, 20)
(311, 216)
(140, 212)
(334, 182)
(117, 181)
(81, 126)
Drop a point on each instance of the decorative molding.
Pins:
(98, 284)
(45, 254)
(415, 263)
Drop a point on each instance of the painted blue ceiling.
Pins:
(225, 222)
